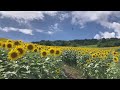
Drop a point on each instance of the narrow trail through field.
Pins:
(71, 72)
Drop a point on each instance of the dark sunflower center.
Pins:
(35, 50)
(57, 52)
(9, 45)
(51, 51)
(14, 55)
(9, 41)
(44, 53)
(39, 48)
(20, 50)
(16, 43)
(30, 47)
(3, 45)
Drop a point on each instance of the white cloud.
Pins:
(45, 31)
(113, 26)
(100, 17)
(27, 15)
(105, 35)
(55, 27)
(64, 16)
(83, 17)
(97, 36)
(7, 29)
(25, 31)
(78, 18)
(51, 13)
(39, 30)
(50, 32)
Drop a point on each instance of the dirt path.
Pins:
(71, 72)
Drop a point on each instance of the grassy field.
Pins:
(90, 46)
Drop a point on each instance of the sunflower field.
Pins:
(23, 60)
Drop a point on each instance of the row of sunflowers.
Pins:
(20, 59)
(18, 49)
(94, 63)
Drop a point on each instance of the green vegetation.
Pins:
(74, 43)
(21, 60)
(31, 66)
(84, 43)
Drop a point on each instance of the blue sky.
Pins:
(59, 25)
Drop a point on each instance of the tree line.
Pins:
(111, 42)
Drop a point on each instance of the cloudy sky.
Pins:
(59, 25)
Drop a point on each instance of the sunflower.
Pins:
(9, 40)
(52, 51)
(3, 45)
(13, 55)
(108, 64)
(36, 49)
(16, 43)
(43, 53)
(20, 41)
(30, 47)
(0, 43)
(21, 50)
(39, 48)
(115, 53)
(115, 59)
(35, 45)
(93, 55)
(58, 52)
(9, 45)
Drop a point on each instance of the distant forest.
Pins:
(100, 43)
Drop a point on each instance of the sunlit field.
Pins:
(22, 60)
(59, 44)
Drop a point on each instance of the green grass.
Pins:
(90, 46)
